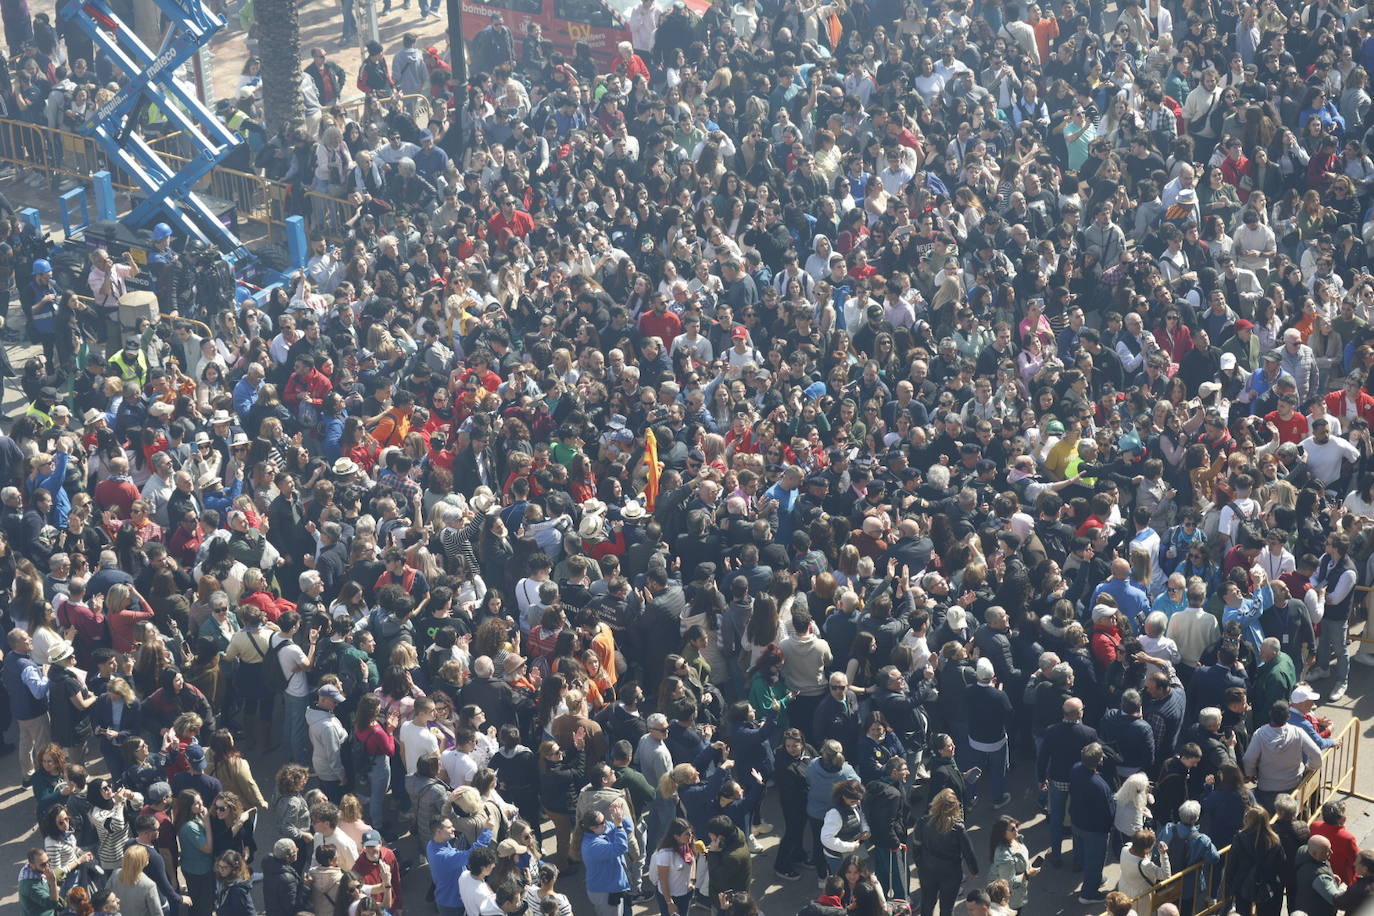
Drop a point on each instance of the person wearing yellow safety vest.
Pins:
(1087, 453)
(131, 363)
(41, 409)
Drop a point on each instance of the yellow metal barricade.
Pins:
(1202, 883)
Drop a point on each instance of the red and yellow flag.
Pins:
(653, 467)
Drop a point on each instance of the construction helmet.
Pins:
(41, 266)
(161, 231)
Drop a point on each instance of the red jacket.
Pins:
(272, 608)
(118, 494)
(314, 387)
(1344, 848)
(663, 325)
(1105, 645)
(1335, 405)
(635, 66)
(519, 225)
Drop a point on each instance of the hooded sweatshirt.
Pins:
(1277, 756)
(807, 658)
(327, 735)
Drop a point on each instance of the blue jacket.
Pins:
(1295, 717)
(23, 703)
(752, 748)
(603, 855)
(61, 502)
(446, 866)
(245, 396)
(1249, 616)
(819, 783)
(1132, 738)
(1165, 716)
(1188, 846)
(331, 435)
(1092, 808)
(1209, 685)
(699, 801)
(1130, 598)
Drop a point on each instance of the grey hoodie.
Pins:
(1278, 756)
(409, 71)
(327, 736)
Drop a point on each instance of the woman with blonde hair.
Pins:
(138, 895)
(667, 803)
(1132, 804)
(943, 850)
(351, 818)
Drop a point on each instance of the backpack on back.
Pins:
(273, 677)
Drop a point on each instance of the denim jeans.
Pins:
(1059, 803)
(350, 21)
(378, 782)
(1093, 850)
(994, 778)
(1333, 643)
(295, 730)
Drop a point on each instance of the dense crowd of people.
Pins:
(813, 405)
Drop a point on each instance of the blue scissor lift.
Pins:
(168, 188)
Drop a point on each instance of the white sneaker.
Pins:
(754, 845)
(1336, 695)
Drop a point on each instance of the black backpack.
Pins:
(273, 677)
(357, 762)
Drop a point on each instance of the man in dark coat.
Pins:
(892, 811)
(837, 714)
(493, 697)
(1126, 732)
(284, 891)
(660, 626)
(1060, 752)
(474, 466)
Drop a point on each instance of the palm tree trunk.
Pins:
(279, 46)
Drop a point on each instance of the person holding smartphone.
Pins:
(1010, 861)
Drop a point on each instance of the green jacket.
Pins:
(1274, 680)
(766, 697)
(35, 898)
(352, 655)
(642, 795)
(730, 869)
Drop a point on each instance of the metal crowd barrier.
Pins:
(258, 201)
(1206, 885)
